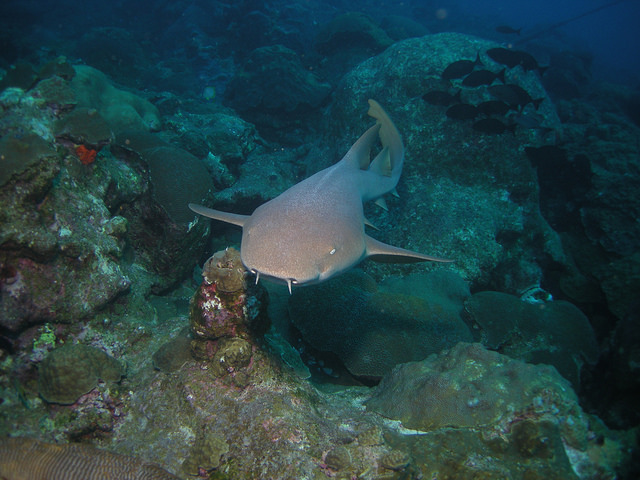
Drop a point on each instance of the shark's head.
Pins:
(298, 251)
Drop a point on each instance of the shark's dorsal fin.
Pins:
(360, 152)
(381, 252)
(232, 218)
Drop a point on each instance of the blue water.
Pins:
(610, 34)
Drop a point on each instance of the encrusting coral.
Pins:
(227, 315)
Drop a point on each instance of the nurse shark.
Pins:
(315, 230)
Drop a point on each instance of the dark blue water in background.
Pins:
(611, 34)
(175, 29)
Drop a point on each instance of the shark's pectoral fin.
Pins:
(381, 252)
(232, 218)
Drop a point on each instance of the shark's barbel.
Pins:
(315, 229)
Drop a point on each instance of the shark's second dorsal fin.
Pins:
(232, 218)
(382, 163)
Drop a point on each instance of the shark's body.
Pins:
(315, 229)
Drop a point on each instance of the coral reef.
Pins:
(274, 80)
(122, 110)
(227, 316)
(163, 231)
(70, 371)
(19, 154)
(554, 332)
(22, 458)
(463, 387)
(524, 411)
(207, 450)
(353, 30)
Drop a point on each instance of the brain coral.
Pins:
(372, 330)
(467, 386)
(121, 109)
(70, 371)
(25, 458)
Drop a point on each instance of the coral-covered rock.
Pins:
(372, 330)
(555, 332)
(18, 154)
(274, 80)
(225, 305)
(121, 109)
(84, 126)
(166, 235)
(349, 30)
(70, 371)
(59, 249)
(228, 318)
(225, 269)
(469, 386)
(206, 452)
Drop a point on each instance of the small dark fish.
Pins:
(439, 97)
(460, 68)
(514, 95)
(462, 111)
(506, 29)
(482, 77)
(493, 126)
(493, 107)
(523, 96)
(513, 58)
(505, 56)
(528, 62)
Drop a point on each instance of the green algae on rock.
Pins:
(70, 371)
